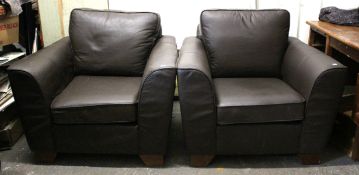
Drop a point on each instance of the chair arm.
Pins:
(35, 81)
(156, 97)
(197, 98)
(320, 79)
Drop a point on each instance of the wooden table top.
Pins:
(349, 35)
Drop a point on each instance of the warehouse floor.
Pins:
(19, 161)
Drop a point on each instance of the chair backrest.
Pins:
(242, 43)
(112, 42)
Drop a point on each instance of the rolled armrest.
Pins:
(35, 81)
(193, 57)
(163, 56)
(197, 98)
(320, 79)
(156, 97)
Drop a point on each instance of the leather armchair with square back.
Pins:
(107, 88)
(245, 87)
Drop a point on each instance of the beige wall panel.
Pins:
(50, 21)
(68, 5)
(55, 15)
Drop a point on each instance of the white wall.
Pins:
(50, 21)
(292, 6)
(55, 15)
(181, 17)
(68, 5)
(310, 10)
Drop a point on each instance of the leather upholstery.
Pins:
(256, 100)
(97, 99)
(242, 43)
(257, 139)
(270, 94)
(320, 79)
(95, 138)
(36, 80)
(112, 43)
(156, 97)
(107, 89)
(197, 98)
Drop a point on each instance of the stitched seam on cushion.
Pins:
(245, 10)
(263, 105)
(130, 123)
(80, 107)
(112, 11)
(261, 122)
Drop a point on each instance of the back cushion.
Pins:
(245, 42)
(112, 43)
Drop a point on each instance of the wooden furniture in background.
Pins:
(344, 39)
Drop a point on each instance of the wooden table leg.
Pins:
(355, 146)
(311, 37)
(328, 49)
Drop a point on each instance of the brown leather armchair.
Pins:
(107, 88)
(246, 88)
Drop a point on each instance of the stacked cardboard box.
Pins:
(10, 125)
(9, 30)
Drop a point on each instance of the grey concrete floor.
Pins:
(19, 161)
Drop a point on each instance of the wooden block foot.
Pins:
(201, 160)
(310, 159)
(152, 160)
(45, 157)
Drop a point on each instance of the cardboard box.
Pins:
(9, 30)
(2, 11)
(10, 134)
(7, 115)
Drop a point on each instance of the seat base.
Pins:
(259, 139)
(97, 100)
(201, 160)
(310, 159)
(257, 100)
(99, 138)
(152, 160)
(45, 157)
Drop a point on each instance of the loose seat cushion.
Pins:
(256, 100)
(112, 43)
(245, 43)
(97, 99)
